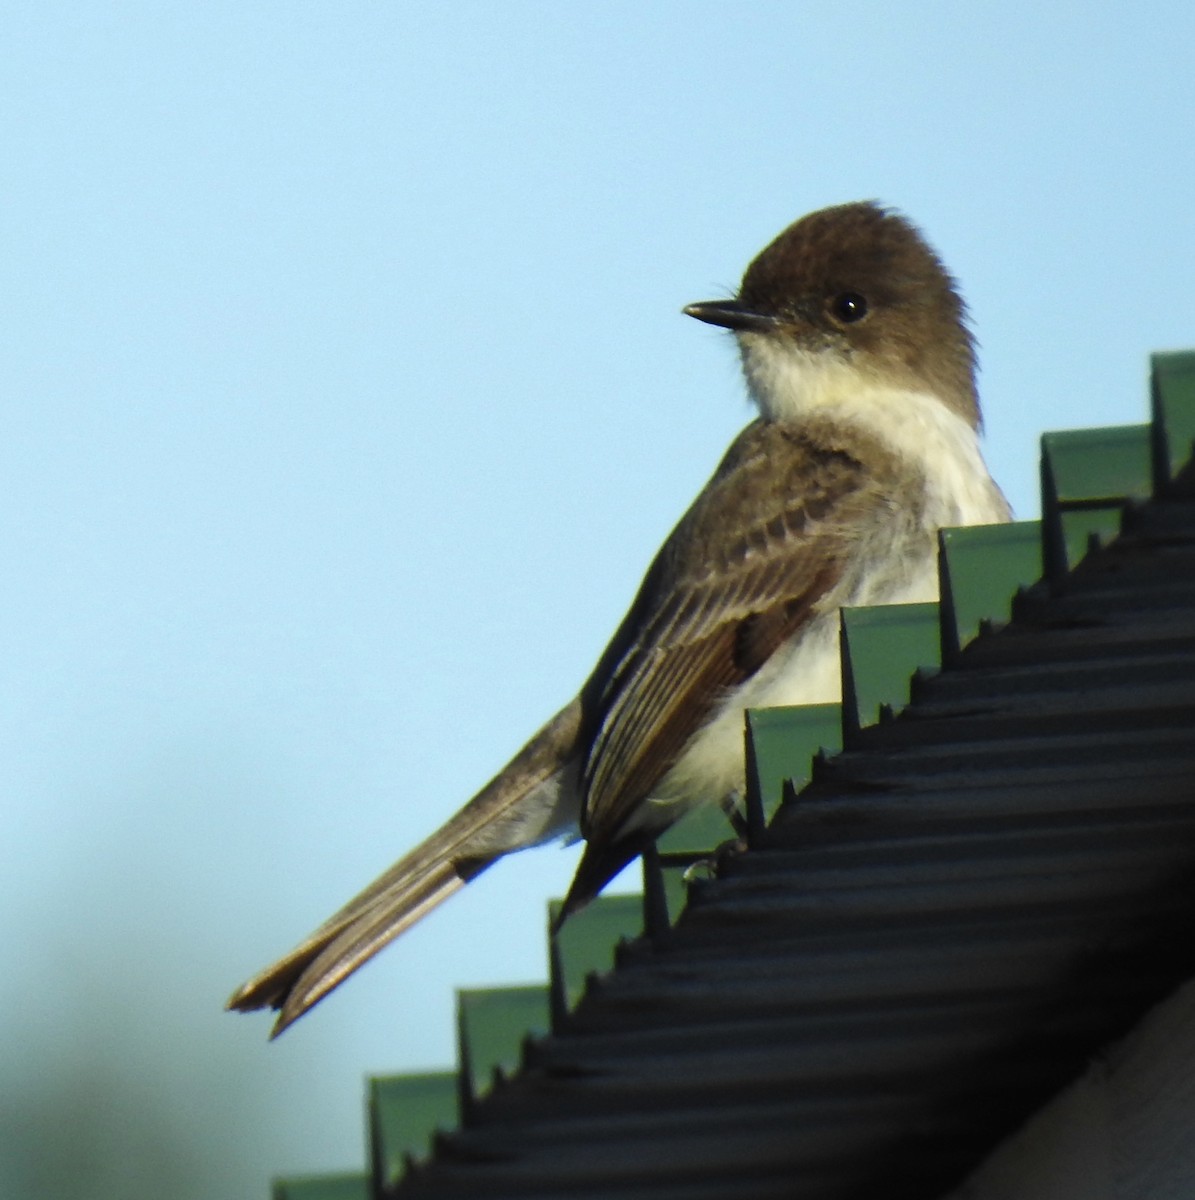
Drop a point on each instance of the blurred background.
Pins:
(342, 361)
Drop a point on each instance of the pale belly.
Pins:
(808, 670)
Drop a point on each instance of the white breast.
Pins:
(789, 384)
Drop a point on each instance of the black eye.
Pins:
(849, 307)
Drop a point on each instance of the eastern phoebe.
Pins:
(856, 351)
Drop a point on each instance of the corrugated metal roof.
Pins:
(936, 933)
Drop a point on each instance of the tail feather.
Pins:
(599, 864)
(308, 973)
(528, 801)
(372, 931)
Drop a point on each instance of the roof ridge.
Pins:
(952, 890)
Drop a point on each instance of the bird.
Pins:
(857, 352)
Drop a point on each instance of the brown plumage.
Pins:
(747, 567)
(855, 349)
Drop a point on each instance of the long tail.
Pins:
(530, 800)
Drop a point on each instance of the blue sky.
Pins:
(342, 360)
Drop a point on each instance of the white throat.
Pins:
(790, 384)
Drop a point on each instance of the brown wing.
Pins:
(749, 564)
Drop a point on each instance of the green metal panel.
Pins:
(691, 840)
(881, 648)
(676, 888)
(323, 1187)
(405, 1112)
(1077, 528)
(982, 566)
(492, 1024)
(587, 942)
(697, 833)
(1173, 405)
(1080, 526)
(781, 745)
(1092, 465)
(1087, 474)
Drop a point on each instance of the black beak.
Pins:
(731, 315)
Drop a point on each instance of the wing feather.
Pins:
(757, 556)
